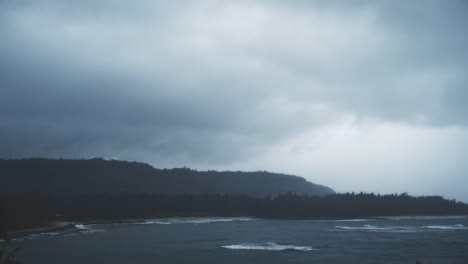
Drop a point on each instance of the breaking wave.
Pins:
(268, 246)
(76, 229)
(81, 227)
(351, 220)
(371, 228)
(342, 220)
(444, 227)
(401, 229)
(193, 221)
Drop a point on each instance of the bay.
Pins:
(248, 240)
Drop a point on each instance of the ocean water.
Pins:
(248, 240)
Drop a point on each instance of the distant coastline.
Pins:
(44, 194)
(23, 211)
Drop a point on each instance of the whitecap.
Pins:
(77, 229)
(86, 229)
(270, 246)
(153, 222)
(371, 228)
(401, 229)
(445, 227)
(81, 227)
(339, 220)
(364, 227)
(193, 221)
(351, 220)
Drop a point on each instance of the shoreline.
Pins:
(422, 217)
(53, 226)
(56, 226)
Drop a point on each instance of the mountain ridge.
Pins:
(98, 175)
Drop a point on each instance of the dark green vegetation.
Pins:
(114, 177)
(34, 192)
(29, 210)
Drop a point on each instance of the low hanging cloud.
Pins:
(345, 94)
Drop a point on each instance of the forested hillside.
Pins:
(112, 176)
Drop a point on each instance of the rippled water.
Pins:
(245, 240)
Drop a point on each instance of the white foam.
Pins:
(267, 246)
(153, 222)
(86, 229)
(364, 227)
(338, 220)
(445, 227)
(78, 229)
(351, 220)
(193, 221)
(371, 228)
(81, 227)
(402, 229)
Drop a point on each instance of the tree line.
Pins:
(25, 210)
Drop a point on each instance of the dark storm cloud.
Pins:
(56, 103)
(218, 83)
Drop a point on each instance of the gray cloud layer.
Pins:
(223, 84)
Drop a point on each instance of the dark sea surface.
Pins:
(253, 241)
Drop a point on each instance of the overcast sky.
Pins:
(357, 95)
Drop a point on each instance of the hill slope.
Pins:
(102, 176)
